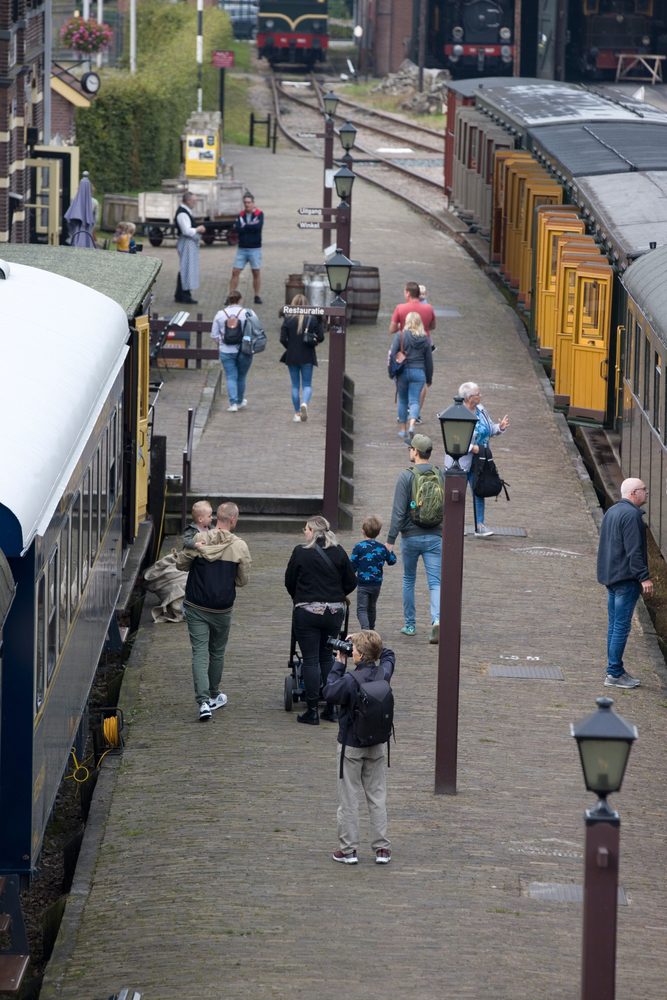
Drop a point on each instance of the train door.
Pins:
(551, 223)
(540, 192)
(518, 186)
(571, 253)
(45, 204)
(142, 458)
(590, 350)
(501, 164)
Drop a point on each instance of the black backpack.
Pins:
(486, 480)
(372, 713)
(232, 335)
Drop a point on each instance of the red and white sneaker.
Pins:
(383, 856)
(346, 859)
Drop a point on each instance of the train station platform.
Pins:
(206, 867)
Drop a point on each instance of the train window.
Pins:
(646, 387)
(636, 359)
(63, 585)
(85, 529)
(591, 6)
(104, 480)
(657, 380)
(40, 642)
(52, 616)
(627, 359)
(113, 464)
(644, 7)
(75, 553)
(95, 506)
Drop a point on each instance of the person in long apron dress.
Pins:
(187, 246)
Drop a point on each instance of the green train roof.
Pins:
(125, 278)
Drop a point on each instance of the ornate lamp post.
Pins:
(338, 272)
(457, 424)
(330, 102)
(344, 181)
(604, 740)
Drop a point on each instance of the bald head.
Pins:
(634, 491)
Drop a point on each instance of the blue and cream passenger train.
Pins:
(74, 465)
(570, 188)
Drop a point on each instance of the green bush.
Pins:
(130, 136)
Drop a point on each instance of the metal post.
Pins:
(422, 45)
(337, 330)
(449, 647)
(133, 36)
(200, 52)
(328, 166)
(601, 857)
(268, 131)
(251, 136)
(343, 228)
(222, 96)
(48, 58)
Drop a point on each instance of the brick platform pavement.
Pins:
(211, 876)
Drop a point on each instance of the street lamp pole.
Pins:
(330, 102)
(605, 740)
(457, 424)
(338, 272)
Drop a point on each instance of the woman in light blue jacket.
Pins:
(485, 428)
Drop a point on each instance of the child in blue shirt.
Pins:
(368, 558)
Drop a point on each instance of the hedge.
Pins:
(130, 136)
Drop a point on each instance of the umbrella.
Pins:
(81, 216)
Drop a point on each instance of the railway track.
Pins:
(408, 168)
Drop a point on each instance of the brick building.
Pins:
(387, 34)
(21, 107)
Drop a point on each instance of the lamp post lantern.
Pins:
(344, 180)
(330, 103)
(604, 740)
(338, 268)
(457, 424)
(347, 133)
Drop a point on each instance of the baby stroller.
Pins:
(294, 687)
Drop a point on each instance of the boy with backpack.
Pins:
(365, 724)
(417, 516)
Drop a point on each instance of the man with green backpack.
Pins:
(417, 516)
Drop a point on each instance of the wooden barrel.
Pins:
(293, 286)
(363, 292)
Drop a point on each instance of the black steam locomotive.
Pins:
(599, 30)
(474, 37)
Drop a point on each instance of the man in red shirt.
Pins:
(412, 304)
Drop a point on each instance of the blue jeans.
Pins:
(236, 371)
(429, 547)
(621, 600)
(478, 502)
(301, 375)
(410, 383)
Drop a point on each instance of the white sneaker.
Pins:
(232, 408)
(218, 702)
(483, 531)
(296, 419)
(242, 405)
(204, 712)
(304, 412)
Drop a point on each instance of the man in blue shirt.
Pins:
(623, 569)
(248, 227)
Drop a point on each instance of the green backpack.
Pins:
(428, 494)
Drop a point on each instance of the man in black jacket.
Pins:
(217, 565)
(248, 227)
(623, 569)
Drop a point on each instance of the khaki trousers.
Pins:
(364, 774)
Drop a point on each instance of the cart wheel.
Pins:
(208, 238)
(155, 236)
(289, 693)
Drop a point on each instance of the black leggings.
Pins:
(312, 632)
